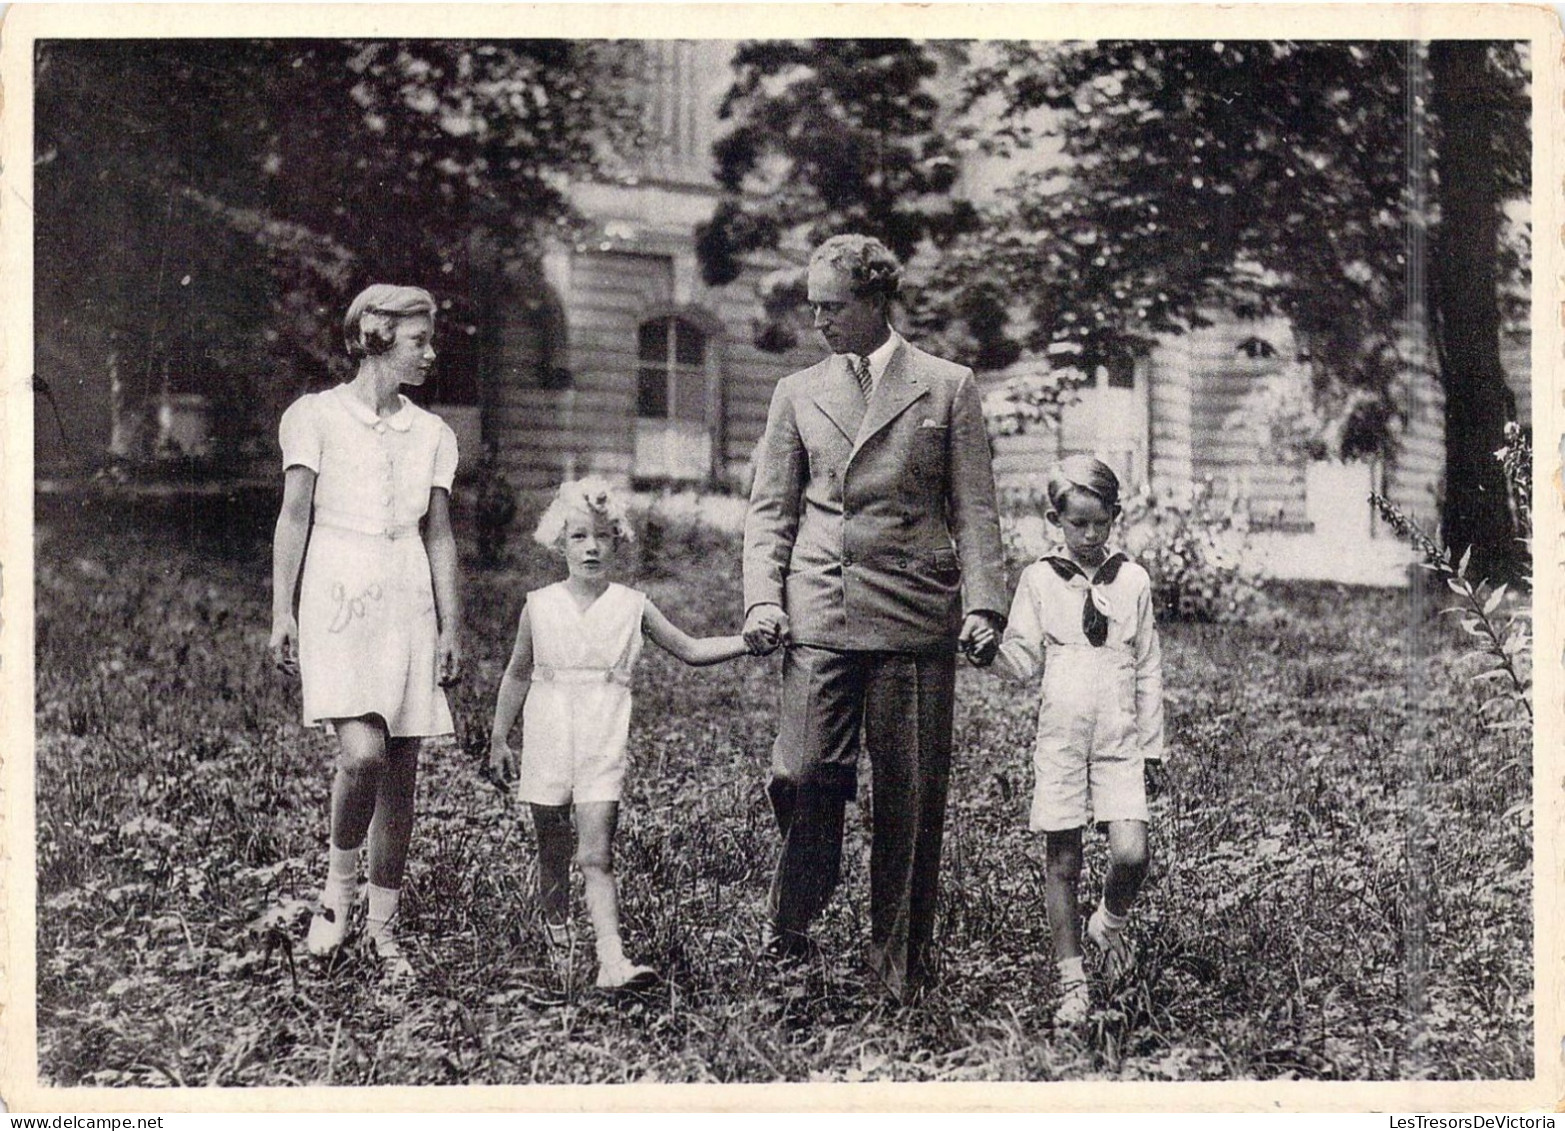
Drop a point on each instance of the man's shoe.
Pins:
(787, 947)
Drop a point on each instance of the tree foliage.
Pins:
(832, 135)
(1156, 182)
(214, 202)
(1255, 177)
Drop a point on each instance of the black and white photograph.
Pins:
(984, 549)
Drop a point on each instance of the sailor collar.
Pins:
(1096, 607)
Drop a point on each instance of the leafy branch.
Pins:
(1505, 643)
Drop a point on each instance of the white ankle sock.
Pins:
(382, 909)
(1071, 971)
(610, 950)
(1110, 920)
(342, 877)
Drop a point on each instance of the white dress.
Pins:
(367, 620)
(576, 719)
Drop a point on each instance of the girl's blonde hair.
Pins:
(593, 497)
(1083, 473)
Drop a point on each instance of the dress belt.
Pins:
(338, 520)
(547, 674)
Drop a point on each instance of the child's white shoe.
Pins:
(328, 927)
(1075, 1004)
(394, 965)
(1110, 940)
(623, 974)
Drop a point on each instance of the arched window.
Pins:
(672, 378)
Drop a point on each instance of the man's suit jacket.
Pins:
(878, 538)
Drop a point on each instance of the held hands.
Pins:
(980, 638)
(284, 645)
(765, 628)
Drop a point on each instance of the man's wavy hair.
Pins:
(871, 269)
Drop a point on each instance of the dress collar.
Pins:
(401, 420)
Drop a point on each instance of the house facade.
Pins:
(608, 354)
(612, 355)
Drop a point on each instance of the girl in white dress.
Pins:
(577, 642)
(367, 487)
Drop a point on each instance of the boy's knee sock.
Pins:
(1071, 971)
(342, 878)
(382, 910)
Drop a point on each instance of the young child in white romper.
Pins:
(577, 642)
(1084, 619)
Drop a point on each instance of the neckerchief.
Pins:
(1094, 617)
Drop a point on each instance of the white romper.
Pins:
(367, 622)
(576, 720)
(1100, 710)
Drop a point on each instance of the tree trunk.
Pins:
(1466, 315)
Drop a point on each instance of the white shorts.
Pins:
(1071, 791)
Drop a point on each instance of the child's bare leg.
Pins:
(392, 826)
(595, 825)
(389, 833)
(1062, 871)
(1128, 863)
(1128, 860)
(556, 845)
(361, 762)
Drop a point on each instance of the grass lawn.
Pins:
(1341, 886)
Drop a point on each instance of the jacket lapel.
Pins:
(837, 395)
(898, 388)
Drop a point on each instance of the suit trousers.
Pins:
(896, 706)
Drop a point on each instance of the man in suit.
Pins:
(872, 551)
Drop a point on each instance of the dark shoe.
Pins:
(787, 948)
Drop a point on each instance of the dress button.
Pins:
(847, 559)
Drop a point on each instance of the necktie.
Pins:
(860, 368)
(1094, 624)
